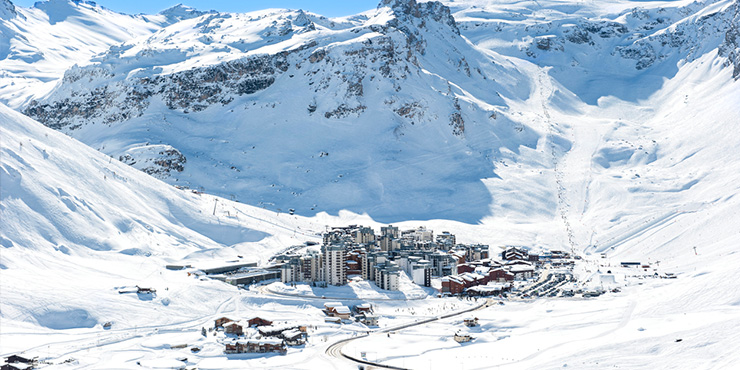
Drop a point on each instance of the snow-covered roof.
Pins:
(277, 327)
(490, 287)
(332, 304)
(470, 276)
(272, 341)
(292, 333)
(342, 309)
(482, 270)
(521, 268)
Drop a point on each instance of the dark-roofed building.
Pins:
(221, 321)
(514, 253)
(258, 321)
(18, 359)
(233, 328)
(256, 346)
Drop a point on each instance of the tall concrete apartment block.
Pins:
(387, 276)
(310, 267)
(334, 259)
(390, 231)
(364, 235)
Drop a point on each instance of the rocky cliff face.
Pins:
(190, 90)
(262, 102)
(730, 48)
(38, 44)
(7, 9)
(159, 161)
(685, 38)
(286, 109)
(390, 51)
(626, 42)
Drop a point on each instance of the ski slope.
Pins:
(572, 147)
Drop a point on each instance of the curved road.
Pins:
(335, 349)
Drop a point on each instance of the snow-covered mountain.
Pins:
(288, 110)
(413, 110)
(38, 44)
(603, 127)
(274, 109)
(624, 49)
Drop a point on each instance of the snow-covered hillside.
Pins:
(276, 110)
(287, 110)
(38, 44)
(606, 128)
(77, 224)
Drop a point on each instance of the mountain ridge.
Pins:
(342, 73)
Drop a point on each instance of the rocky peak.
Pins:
(418, 13)
(302, 19)
(180, 12)
(730, 48)
(7, 9)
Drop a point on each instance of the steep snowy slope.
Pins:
(76, 225)
(655, 182)
(392, 113)
(38, 44)
(273, 109)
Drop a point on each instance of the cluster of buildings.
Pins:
(493, 277)
(337, 312)
(16, 362)
(258, 335)
(358, 252)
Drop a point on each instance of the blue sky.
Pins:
(329, 8)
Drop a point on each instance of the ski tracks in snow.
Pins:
(545, 91)
(570, 165)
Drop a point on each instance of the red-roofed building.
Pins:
(452, 285)
(465, 267)
(500, 275)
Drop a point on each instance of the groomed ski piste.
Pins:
(649, 177)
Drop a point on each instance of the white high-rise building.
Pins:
(387, 276)
(334, 265)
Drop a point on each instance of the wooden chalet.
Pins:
(264, 345)
(462, 338)
(277, 330)
(465, 267)
(233, 328)
(499, 274)
(367, 319)
(14, 359)
(258, 321)
(452, 285)
(221, 321)
(16, 366)
(336, 309)
(364, 308)
(294, 337)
